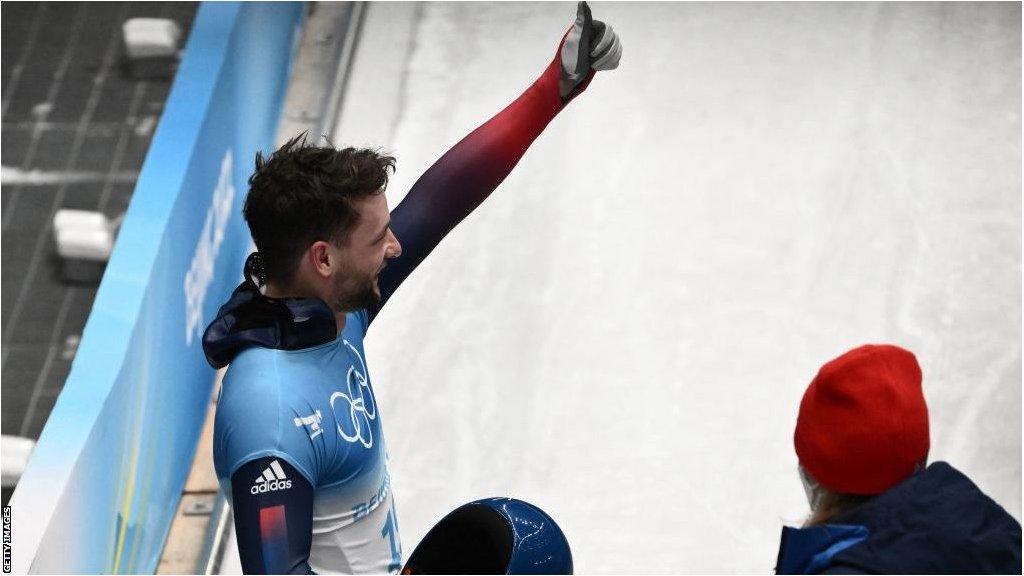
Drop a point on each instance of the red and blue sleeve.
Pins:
(467, 174)
(273, 508)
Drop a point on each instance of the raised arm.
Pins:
(467, 174)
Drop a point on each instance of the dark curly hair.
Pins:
(304, 193)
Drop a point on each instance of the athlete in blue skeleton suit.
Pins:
(298, 442)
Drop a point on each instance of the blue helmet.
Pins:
(493, 536)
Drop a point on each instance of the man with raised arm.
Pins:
(298, 442)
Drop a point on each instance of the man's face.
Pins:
(363, 256)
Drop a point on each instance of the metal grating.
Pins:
(76, 128)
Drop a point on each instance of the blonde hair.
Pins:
(832, 504)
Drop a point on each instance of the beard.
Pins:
(355, 292)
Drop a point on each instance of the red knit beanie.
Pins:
(863, 423)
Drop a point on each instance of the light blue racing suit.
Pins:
(314, 408)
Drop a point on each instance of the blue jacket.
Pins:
(935, 522)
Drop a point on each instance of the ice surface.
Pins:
(623, 332)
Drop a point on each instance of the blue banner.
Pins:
(104, 482)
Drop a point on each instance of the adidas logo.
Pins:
(272, 479)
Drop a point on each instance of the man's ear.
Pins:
(319, 255)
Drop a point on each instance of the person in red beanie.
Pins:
(862, 441)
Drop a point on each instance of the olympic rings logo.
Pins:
(361, 409)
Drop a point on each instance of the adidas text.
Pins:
(271, 486)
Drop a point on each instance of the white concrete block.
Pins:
(151, 38)
(15, 452)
